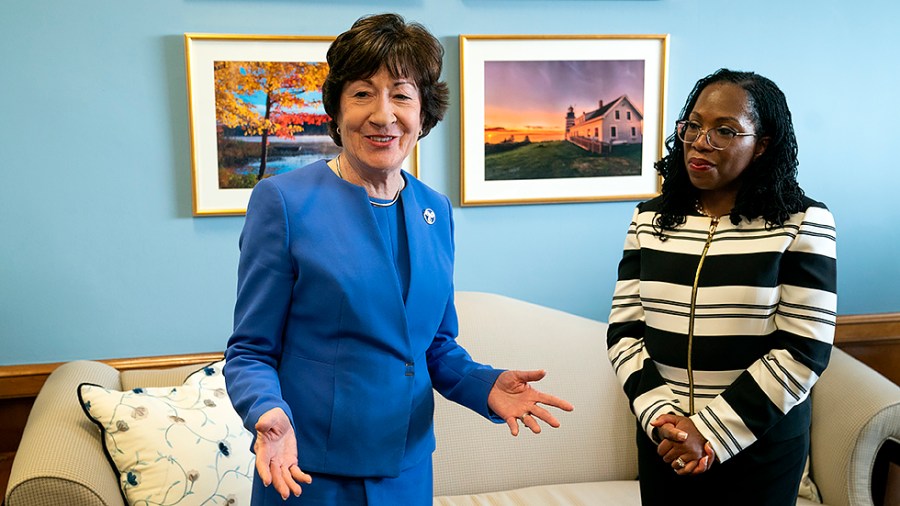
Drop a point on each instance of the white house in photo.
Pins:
(618, 122)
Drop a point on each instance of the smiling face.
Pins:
(726, 105)
(380, 120)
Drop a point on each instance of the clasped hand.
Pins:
(513, 399)
(682, 445)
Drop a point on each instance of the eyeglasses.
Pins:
(718, 138)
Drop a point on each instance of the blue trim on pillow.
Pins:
(99, 425)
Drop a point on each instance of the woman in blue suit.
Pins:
(345, 320)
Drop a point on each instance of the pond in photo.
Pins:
(240, 157)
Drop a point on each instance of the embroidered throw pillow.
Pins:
(181, 445)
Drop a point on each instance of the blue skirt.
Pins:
(413, 487)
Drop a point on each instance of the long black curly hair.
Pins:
(769, 187)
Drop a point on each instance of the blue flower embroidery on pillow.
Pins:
(132, 478)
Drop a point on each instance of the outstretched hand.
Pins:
(683, 446)
(276, 454)
(513, 399)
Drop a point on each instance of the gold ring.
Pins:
(680, 463)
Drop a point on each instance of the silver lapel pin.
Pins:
(428, 214)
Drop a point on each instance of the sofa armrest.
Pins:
(855, 410)
(60, 458)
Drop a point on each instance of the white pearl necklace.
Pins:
(697, 205)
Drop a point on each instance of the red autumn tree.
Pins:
(282, 84)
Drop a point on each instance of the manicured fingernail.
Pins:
(682, 436)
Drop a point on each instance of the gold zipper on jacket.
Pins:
(712, 229)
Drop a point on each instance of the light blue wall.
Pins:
(99, 254)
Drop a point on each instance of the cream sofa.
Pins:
(590, 460)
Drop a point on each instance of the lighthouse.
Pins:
(570, 120)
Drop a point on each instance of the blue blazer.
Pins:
(321, 329)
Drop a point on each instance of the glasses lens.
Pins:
(688, 131)
(719, 138)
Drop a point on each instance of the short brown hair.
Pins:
(386, 41)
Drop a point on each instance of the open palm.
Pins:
(276, 454)
(512, 398)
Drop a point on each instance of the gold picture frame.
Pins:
(561, 118)
(235, 138)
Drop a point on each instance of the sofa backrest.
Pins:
(594, 443)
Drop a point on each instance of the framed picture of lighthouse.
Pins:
(561, 118)
(255, 105)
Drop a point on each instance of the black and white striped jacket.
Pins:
(755, 308)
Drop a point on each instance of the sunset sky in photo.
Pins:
(534, 96)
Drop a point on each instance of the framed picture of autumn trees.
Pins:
(255, 104)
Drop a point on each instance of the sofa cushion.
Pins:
(620, 493)
(183, 444)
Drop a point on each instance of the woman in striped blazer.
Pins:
(723, 314)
